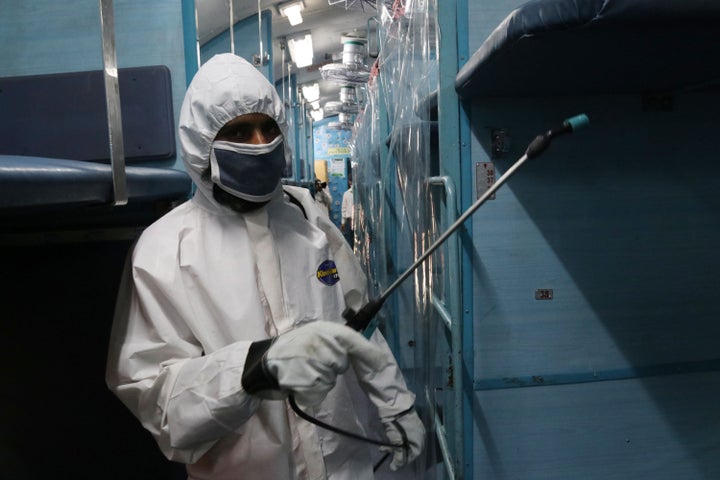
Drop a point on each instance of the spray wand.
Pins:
(364, 320)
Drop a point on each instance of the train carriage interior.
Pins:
(536, 207)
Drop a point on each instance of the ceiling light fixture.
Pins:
(292, 12)
(301, 50)
(317, 115)
(311, 92)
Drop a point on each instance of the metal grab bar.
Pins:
(112, 100)
(453, 321)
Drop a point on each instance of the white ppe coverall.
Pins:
(204, 282)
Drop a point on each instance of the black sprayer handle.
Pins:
(360, 320)
(542, 141)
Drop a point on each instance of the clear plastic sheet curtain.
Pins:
(393, 161)
(367, 186)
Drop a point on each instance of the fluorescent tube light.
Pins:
(317, 115)
(301, 50)
(311, 92)
(292, 12)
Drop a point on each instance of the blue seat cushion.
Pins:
(37, 183)
(64, 115)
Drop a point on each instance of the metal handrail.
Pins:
(453, 321)
(112, 99)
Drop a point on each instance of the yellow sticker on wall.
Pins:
(338, 150)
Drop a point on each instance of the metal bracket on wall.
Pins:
(259, 61)
(499, 142)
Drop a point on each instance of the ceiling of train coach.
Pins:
(327, 20)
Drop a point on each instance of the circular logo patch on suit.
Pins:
(327, 273)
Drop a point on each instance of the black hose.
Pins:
(319, 423)
(326, 426)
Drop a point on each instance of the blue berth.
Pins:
(32, 184)
(556, 47)
(54, 152)
(619, 221)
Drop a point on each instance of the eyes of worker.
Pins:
(253, 128)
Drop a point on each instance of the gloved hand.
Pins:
(305, 361)
(405, 429)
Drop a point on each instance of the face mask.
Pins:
(251, 172)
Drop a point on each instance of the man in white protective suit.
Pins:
(233, 301)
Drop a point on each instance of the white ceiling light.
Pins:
(292, 12)
(311, 92)
(317, 115)
(301, 50)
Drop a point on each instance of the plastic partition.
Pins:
(404, 202)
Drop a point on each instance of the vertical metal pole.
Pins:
(197, 40)
(112, 100)
(282, 62)
(232, 27)
(190, 39)
(297, 121)
(289, 75)
(261, 55)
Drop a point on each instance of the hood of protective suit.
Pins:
(225, 87)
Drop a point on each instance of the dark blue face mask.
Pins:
(251, 172)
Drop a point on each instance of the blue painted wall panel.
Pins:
(620, 221)
(246, 39)
(49, 37)
(662, 428)
(484, 16)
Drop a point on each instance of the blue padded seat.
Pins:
(558, 47)
(55, 157)
(36, 183)
(64, 115)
